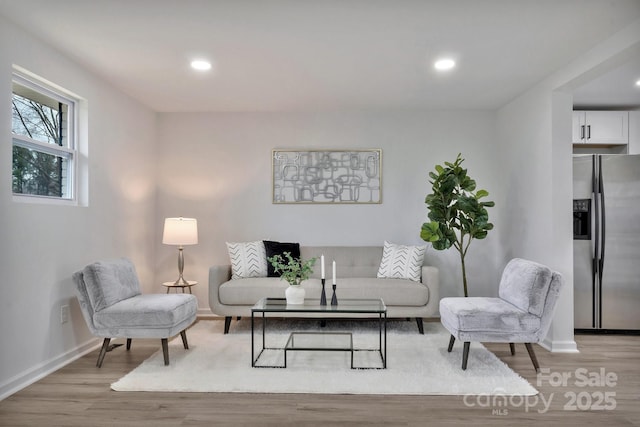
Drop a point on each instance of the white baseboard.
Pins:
(205, 313)
(560, 346)
(26, 378)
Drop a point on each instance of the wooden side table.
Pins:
(172, 285)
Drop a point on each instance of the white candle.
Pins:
(334, 272)
(322, 266)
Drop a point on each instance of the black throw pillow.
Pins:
(279, 248)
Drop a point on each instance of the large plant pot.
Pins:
(295, 294)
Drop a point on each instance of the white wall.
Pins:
(217, 168)
(44, 244)
(537, 168)
(534, 135)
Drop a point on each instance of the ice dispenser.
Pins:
(582, 219)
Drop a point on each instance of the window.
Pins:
(43, 127)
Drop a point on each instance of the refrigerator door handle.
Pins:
(603, 220)
(595, 265)
(603, 224)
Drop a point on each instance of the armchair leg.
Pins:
(512, 346)
(420, 325)
(183, 334)
(103, 351)
(165, 350)
(128, 344)
(533, 357)
(451, 341)
(227, 323)
(465, 355)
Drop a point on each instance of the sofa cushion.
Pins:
(394, 292)
(109, 282)
(525, 284)
(351, 261)
(279, 248)
(401, 262)
(248, 259)
(248, 291)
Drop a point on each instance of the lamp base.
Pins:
(181, 282)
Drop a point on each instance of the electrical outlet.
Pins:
(64, 314)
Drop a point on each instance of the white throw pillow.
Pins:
(248, 259)
(401, 262)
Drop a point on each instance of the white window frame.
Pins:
(68, 151)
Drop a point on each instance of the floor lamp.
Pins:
(180, 232)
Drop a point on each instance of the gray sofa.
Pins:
(356, 278)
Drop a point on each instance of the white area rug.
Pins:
(416, 364)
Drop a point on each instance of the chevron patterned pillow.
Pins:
(401, 262)
(248, 259)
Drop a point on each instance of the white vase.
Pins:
(295, 294)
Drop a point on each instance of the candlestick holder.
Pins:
(323, 296)
(334, 298)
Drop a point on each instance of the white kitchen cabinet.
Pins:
(634, 132)
(601, 127)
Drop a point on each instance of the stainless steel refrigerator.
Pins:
(606, 245)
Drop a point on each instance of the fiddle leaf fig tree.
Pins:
(457, 214)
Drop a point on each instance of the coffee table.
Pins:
(304, 340)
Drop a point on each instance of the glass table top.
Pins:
(313, 306)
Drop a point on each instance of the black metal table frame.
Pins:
(382, 341)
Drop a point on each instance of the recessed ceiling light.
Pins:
(638, 83)
(444, 64)
(200, 65)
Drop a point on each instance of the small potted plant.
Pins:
(294, 271)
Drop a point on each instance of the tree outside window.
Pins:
(43, 154)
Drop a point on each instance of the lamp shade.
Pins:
(180, 231)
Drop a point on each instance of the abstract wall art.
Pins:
(327, 176)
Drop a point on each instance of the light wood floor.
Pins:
(79, 395)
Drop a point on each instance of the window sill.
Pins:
(44, 200)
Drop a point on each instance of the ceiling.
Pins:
(614, 89)
(306, 55)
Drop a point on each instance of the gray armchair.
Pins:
(113, 307)
(521, 314)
